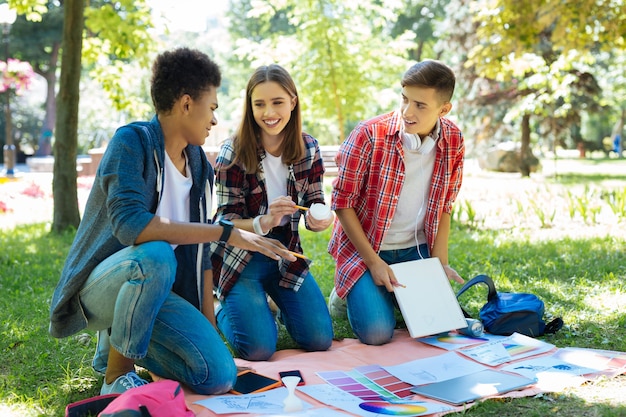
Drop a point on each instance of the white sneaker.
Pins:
(337, 306)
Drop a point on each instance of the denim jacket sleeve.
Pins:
(129, 186)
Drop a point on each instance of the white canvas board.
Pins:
(426, 299)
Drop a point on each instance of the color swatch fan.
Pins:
(426, 299)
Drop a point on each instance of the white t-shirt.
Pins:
(407, 226)
(174, 204)
(276, 174)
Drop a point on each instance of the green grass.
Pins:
(39, 375)
(581, 280)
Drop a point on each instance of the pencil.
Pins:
(302, 208)
(298, 255)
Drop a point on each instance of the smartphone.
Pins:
(249, 382)
(295, 372)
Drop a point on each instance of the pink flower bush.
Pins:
(4, 208)
(33, 190)
(15, 75)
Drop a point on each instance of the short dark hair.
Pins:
(181, 71)
(431, 74)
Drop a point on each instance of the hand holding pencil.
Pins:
(299, 255)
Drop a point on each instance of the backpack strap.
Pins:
(477, 280)
(554, 326)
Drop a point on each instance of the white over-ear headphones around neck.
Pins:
(413, 142)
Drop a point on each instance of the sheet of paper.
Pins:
(336, 397)
(268, 402)
(313, 412)
(552, 374)
(434, 369)
(600, 360)
(511, 348)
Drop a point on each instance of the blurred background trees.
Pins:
(539, 75)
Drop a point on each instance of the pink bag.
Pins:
(164, 398)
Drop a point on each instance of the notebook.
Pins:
(426, 299)
(471, 387)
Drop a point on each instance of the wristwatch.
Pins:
(228, 228)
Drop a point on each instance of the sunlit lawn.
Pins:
(581, 280)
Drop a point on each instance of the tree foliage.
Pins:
(118, 33)
(39, 43)
(537, 58)
(422, 20)
(118, 41)
(36, 41)
(512, 28)
(340, 54)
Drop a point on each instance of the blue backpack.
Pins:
(506, 313)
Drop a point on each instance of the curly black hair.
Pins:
(178, 72)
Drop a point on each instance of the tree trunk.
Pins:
(66, 213)
(525, 148)
(47, 129)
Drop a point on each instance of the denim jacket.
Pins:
(123, 200)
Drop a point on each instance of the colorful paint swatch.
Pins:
(384, 379)
(391, 409)
(357, 384)
(516, 349)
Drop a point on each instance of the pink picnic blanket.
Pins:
(343, 355)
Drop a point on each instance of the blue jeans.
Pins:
(246, 321)
(371, 308)
(128, 299)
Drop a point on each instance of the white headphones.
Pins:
(427, 145)
(413, 142)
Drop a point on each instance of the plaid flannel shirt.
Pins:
(370, 178)
(243, 196)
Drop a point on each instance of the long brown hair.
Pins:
(248, 136)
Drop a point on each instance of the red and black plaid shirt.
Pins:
(243, 196)
(370, 178)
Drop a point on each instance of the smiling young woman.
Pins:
(265, 174)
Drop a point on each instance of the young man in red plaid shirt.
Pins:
(399, 174)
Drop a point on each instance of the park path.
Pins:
(503, 201)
